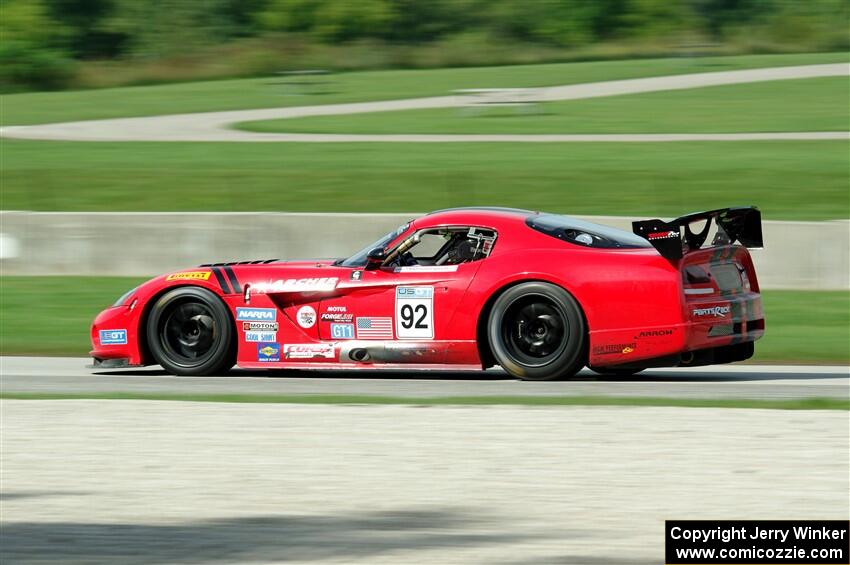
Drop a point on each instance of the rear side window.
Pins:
(583, 233)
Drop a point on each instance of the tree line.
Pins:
(42, 41)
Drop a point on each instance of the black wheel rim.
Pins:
(188, 332)
(535, 330)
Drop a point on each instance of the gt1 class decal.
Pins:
(716, 311)
(342, 331)
(308, 351)
(414, 312)
(256, 314)
(427, 269)
(306, 317)
(268, 352)
(260, 337)
(193, 275)
(113, 337)
(260, 327)
(295, 285)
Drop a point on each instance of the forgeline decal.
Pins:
(614, 349)
(259, 327)
(663, 235)
(308, 351)
(336, 314)
(716, 311)
(306, 317)
(295, 285)
(654, 333)
(268, 352)
(256, 314)
(113, 337)
(191, 275)
(337, 317)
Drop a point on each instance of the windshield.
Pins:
(359, 258)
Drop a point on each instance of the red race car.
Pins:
(540, 294)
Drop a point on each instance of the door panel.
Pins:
(402, 303)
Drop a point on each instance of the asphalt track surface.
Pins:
(70, 375)
(215, 126)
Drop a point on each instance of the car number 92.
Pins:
(414, 312)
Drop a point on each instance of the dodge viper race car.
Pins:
(541, 295)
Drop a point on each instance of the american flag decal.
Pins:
(374, 328)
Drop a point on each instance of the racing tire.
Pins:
(190, 332)
(536, 332)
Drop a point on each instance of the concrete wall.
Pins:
(798, 255)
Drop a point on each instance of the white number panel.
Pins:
(414, 312)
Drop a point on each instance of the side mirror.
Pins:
(375, 258)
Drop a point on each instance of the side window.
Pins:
(450, 246)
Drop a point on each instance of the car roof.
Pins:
(485, 216)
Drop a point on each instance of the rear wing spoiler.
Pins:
(742, 225)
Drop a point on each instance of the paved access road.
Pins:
(147, 482)
(214, 126)
(58, 374)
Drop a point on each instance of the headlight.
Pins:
(124, 297)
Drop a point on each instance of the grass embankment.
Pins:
(52, 315)
(787, 180)
(206, 96)
(819, 104)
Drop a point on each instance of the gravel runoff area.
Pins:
(215, 126)
(178, 482)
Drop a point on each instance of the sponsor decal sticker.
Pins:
(306, 317)
(337, 317)
(268, 352)
(414, 312)
(260, 327)
(113, 337)
(342, 331)
(663, 235)
(614, 349)
(356, 275)
(260, 337)
(715, 311)
(427, 269)
(191, 275)
(374, 328)
(308, 351)
(295, 285)
(654, 333)
(256, 314)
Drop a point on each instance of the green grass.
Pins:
(52, 315)
(46, 107)
(741, 403)
(788, 180)
(820, 104)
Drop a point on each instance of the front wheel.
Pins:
(536, 332)
(190, 333)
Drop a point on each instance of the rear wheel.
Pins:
(189, 332)
(537, 332)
